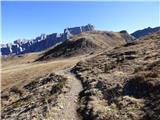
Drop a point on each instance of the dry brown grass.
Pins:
(39, 96)
(84, 43)
(122, 84)
(17, 72)
(104, 39)
(21, 59)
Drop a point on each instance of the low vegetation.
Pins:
(122, 84)
(34, 100)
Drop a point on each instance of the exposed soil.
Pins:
(68, 103)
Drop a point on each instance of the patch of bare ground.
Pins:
(66, 107)
(122, 84)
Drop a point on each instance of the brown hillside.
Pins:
(87, 42)
(122, 84)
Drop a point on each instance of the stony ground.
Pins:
(33, 100)
(53, 97)
(122, 84)
(68, 103)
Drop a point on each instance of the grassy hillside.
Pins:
(123, 83)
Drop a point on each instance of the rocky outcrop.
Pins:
(128, 38)
(145, 31)
(42, 42)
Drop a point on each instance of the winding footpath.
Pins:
(68, 103)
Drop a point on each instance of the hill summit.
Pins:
(87, 43)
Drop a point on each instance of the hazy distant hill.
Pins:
(146, 31)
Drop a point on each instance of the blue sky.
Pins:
(29, 19)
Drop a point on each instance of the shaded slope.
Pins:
(86, 42)
(123, 83)
(69, 48)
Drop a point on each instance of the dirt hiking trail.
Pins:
(69, 101)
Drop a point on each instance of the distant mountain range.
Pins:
(146, 31)
(42, 42)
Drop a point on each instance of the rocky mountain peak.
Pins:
(42, 42)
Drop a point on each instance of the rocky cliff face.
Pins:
(42, 42)
(145, 31)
